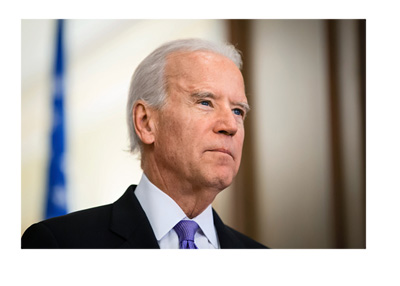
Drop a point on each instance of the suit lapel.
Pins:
(129, 221)
(227, 239)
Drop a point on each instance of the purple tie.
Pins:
(186, 229)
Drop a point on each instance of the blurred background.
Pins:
(302, 179)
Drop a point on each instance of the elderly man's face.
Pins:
(200, 130)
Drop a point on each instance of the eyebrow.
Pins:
(203, 94)
(206, 94)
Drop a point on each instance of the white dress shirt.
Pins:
(164, 213)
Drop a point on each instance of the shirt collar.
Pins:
(205, 220)
(164, 213)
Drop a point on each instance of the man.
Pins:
(186, 109)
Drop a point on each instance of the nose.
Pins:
(226, 123)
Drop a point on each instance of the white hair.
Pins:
(148, 82)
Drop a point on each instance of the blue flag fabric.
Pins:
(56, 182)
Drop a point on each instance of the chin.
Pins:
(220, 181)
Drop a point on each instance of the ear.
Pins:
(143, 119)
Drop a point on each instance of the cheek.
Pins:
(239, 147)
(173, 135)
(239, 140)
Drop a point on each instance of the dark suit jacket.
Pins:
(122, 224)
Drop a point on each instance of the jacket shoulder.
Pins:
(232, 239)
(75, 230)
(246, 242)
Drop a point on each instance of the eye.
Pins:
(205, 102)
(238, 111)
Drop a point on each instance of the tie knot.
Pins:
(186, 229)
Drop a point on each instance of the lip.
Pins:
(222, 150)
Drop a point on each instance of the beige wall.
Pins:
(310, 156)
(293, 181)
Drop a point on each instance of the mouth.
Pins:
(222, 150)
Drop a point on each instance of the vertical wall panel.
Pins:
(293, 174)
(350, 59)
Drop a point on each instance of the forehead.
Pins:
(203, 70)
(183, 61)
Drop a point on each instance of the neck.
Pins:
(191, 198)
